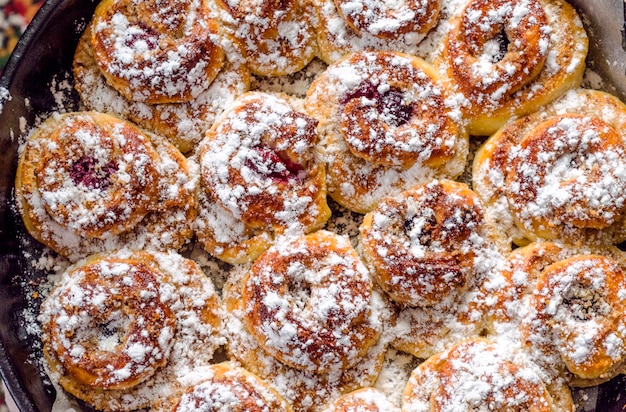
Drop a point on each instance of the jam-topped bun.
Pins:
(435, 253)
(230, 388)
(261, 177)
(184, 123)
(559, 173)
(576, 322)
(156, 51)
(274, 38)
(89, 182)
(347, 26)
(121, 330)
(363, 400)
(306, 318)
(385, 126)
(509, 57)
(477, 374)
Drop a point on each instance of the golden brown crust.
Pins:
(156, 51)
(362, 400)
(228, 387)
(389, 21)
(274, 38)
(576, 320)
(304, 390)
(520, 64)
(323, 299)
(519, 79)
(475, 373)
(183, 124)
(121, 330)
(394, 90)
(420, 241)
(532, 173)
(345, 27)
(89, 182)
(260, 168)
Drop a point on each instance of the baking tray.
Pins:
(37, 80)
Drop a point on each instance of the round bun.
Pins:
(559, 173)
(384, 126)
(122, 330)
(154, 51)
(89, 182)
(481, 375)
(261, 174)
(508, 58)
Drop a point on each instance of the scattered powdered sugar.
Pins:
(5, 96)
(182, 346)
(290, 382)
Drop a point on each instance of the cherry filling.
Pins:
(388, 104)
(88, 172)
(273, 164)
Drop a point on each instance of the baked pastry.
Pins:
(230, 388)
(363, 400)
(157, 51)
(422, 243)
(184, 124)
(385, 126)
(261, 177)
(435, 253)
(274, 38)
(306, 318)
(122, 330)
(559, 173)
(88, 182)
(346, 26)
(477, 374)
(577, 318)
(507, 58)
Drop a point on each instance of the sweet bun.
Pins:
(363, 400)
(385, 126)
(508, 58)
(437, 254)
(559, 173)
(121, 330)
(261, 177)
(274, 38)
(347, 26)
(89, 182)
(155, 51)
(577, 319)
(291, 333)
(183, 124)
(477, 374)
(229, 387)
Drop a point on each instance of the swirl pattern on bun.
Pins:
(121, 330)
(157, 51)
(291, 333)
(476, 374)
(274, 38)
(506, 58)
(88, 182)
(559, 173)
(261, 173)
(385, 126)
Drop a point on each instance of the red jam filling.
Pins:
(88, 172)
(389, 104)
(273, 164)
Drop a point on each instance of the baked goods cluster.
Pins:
(353, 217)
